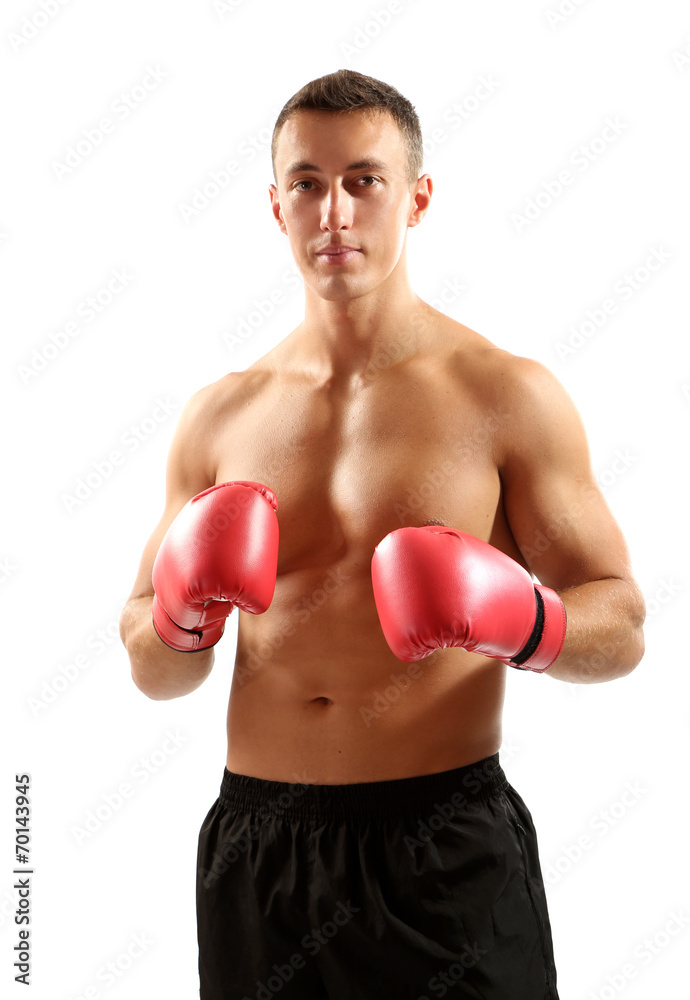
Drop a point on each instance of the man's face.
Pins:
(341, 180)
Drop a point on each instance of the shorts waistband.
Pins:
(455, 788)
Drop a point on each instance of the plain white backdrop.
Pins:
(182, 258)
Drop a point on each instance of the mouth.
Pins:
(337, 255)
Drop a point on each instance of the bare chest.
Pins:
(349, 467)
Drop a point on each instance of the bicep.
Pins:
(559, 518)
(188, 472)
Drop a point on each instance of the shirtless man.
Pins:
(365, 842)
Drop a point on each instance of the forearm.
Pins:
(157, 670)
(604, 637)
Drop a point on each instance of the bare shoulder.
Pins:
(538, 420)
(532, 411)
(221, 400)
(231, 390)
(193, 461)
(525, 381)
(531, 393)
(475, 355)
(474, 360)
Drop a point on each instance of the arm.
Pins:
(564, 528)
(157, 670)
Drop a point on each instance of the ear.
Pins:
(421, 195)
(275, 207)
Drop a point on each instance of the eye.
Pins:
(298, 184)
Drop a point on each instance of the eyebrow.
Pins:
(301, 165)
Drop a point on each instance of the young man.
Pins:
(376, 493)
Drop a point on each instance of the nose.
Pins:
(336, 213)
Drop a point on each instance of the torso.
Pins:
(317, 695)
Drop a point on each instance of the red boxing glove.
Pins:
(436, 587)
(221, 551)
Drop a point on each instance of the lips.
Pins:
(333, 248)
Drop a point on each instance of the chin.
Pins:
(344, 294)
(340, 288)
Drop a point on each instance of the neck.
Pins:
(354, 339)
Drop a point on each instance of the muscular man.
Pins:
(378, 492)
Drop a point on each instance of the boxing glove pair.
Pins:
(434, 586)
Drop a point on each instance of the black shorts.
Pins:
(387, 890)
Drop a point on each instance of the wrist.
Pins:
(545, 642)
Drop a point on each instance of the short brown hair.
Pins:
(347, 90)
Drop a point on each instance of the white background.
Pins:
(221, 76)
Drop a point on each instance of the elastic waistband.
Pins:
(451, 790)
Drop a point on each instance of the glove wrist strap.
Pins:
(548, 635)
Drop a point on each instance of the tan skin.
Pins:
(378, 412)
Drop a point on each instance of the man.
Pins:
(374, 495)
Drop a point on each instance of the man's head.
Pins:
(345, 91)
(347, 155)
